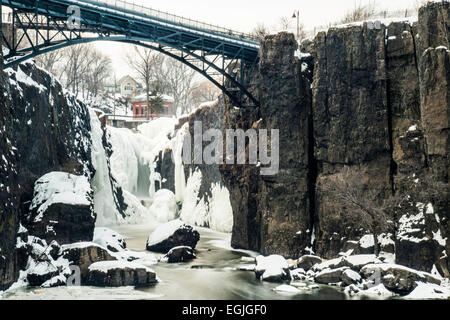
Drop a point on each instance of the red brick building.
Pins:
(140, 106)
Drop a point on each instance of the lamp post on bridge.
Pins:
(296, 15)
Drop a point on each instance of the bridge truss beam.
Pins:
(39, 30)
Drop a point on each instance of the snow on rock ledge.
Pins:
(60, 187)
(120, 274)
(62, 208)
(84, 254)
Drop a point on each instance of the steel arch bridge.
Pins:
(223, 56)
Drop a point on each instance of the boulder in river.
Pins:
(179, 254)
(350, 277)
(329, 276)
(273, 268)
(397, 278)
(120, 273)
(109, 239)
(172, 234)
(84, 254)
(307, 261)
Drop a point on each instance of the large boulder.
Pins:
(358, 261)
(120, 273)
(273, 268)
(330, 276)
(41, 263)
(62, 209)
(172, 234)
(179, 254)
(83, 254)
(306, 262)
(396, 278)
(109, 239)
(350, 277)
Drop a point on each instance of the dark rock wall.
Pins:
(43, 128)
(9, 201)
(380, 98)
(351, 122)
(284, 199)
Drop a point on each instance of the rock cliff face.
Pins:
(284, 200)
(43, 129)
(40, 134)
(9, 202)
(378, 99)
(351, 122)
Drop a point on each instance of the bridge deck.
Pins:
(119, 18)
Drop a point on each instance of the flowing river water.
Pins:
(212, 276)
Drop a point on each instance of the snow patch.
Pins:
(164, 206)
(60, 187)
(105, 266)
(164, 231)
(104, 204)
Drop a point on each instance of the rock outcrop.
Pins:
(172, 234)
(83, 254)
(378, 102)
(62, 209)
(120, 274)
(274, 211)
(351, 123)
(179, 254)
(43, 129)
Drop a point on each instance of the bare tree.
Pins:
(260, 31)
(204, 92)
(98, 71)
(352, 193)
(285, 23)
(51, 61)
(360, 13)
(177, 81)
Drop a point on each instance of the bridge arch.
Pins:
(207, 52)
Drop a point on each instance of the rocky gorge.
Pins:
(361, 97)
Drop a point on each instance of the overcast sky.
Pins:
(244, 15)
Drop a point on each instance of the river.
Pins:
(212, 276)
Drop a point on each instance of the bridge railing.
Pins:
(168, 17)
